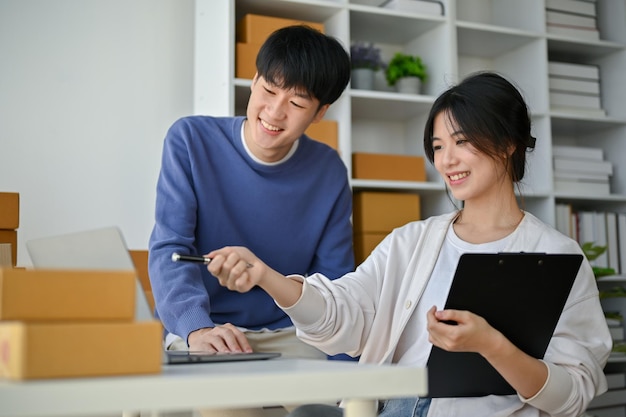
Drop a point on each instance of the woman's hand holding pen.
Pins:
(238, 269)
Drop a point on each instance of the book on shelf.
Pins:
(572, 85)
(570, 19)
(578, 152)
(563, 218)
(573, 31)
(585, 8)
(578, 165)
(621, 240)
(600, 238)
(567, 69)
(612, 242)
(581, 176)
(565, 99)
(582, 187)
(431, 7)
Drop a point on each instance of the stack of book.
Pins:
(573, 18)
(575, 87)
(581, 170)
(600, 228)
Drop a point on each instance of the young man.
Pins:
(254, 181)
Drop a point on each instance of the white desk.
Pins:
(219, 385)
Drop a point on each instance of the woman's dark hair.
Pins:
(493, 116)
(303, 58)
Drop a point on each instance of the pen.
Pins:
(176, 257)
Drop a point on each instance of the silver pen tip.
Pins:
(175, 257)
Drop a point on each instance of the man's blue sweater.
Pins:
(295, 216)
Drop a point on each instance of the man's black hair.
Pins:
(303, 58)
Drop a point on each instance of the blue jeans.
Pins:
(397, 407)
(405, 407)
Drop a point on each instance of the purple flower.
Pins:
(365, 55)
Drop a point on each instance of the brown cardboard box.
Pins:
(140, 260)
(251, 31)
(245, 59)
(254, 28)
(10, 237)
(374, 166)
(325, 131)
(364, 244)
(381, 212)
(6, 255)
(52, 295)
(9, 211)
(58, 350)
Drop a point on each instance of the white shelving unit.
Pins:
(502, 35)
(507, 36)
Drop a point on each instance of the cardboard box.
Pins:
(245, 59)
(254, 28)
(364, 244)
(373, 166)
(6, 255)
(63, 295)
(140, 260)
(9, 211)
(325, 131)
(59, 350)
(381, 212)
(10, 237)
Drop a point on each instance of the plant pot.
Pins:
(363, 78)
(409, 85)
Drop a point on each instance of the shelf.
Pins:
(571, 49)
(425, 187)
(372, 24)
(573, 123)
(612, 278)
(487, 41)
(389, 106)
(308, 10)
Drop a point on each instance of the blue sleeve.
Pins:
(182, 302)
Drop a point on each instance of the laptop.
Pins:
(106, 249)
(520, 294)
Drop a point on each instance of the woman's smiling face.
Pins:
(468, 173)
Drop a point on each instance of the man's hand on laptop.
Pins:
(222, 338)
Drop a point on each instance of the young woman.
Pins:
(389, 309)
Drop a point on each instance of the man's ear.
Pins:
(320, 113)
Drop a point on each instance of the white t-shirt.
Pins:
(414, 347)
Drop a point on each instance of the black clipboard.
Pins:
(520, 294)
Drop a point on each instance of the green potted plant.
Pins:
(404, 67)
(366, 60)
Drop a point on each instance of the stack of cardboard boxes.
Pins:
(9, 222)
(58, 323)
(375, 213)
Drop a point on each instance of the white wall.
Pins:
(88, 89)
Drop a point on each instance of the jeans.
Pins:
(397, 407)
